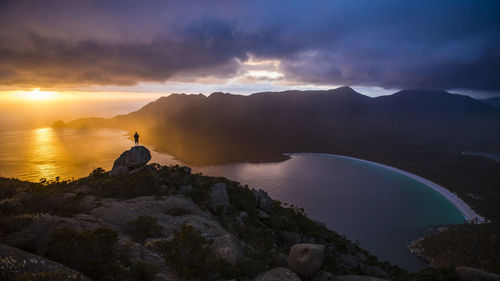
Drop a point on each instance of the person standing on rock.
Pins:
(136, 138)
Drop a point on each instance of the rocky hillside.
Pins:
(152, 222)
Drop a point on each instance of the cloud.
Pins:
(392, 44)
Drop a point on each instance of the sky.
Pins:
(89, 47)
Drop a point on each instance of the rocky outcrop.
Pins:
(135, 158)
(264, 202)
(306, 259)
(474, 274)
(218, 196)
(278, 274)
(322, 276)
(14, 262)
(115, 214)
(228, 248)
(357, 278)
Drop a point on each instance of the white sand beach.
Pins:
(466, 211)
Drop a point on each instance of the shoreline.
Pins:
(469, 214)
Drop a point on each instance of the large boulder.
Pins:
(228, 248)
(135, 158)
(278, 274)
(218, 196)
(264, 202)
(14, 262)
(306, 259)
(474, 274)
(357, 278)
(322, 276)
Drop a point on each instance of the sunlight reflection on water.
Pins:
(49, 153)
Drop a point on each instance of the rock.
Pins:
(474, 274)
(83, 189)
(25, 196)
(135, 158)
(306, 259)
(376, 271)
(118, 213)
(357, 278)
(349, 261)
(291, 238)
(218, 196)
(322, 276)
(119, 171)
(264, 202)
(163, 188)
(88, 202)
(115, 214)
(241, 217)
(136, 252)
(263, 214)
(278, 274)
(68, 195)
(15, 262)
(228, 248)
(361, 256)
(185, 189)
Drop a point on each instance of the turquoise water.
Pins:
(380, 208)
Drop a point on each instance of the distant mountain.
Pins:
(225, 127)
(493, 101)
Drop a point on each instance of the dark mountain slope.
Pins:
(262, 126)
(495, 102)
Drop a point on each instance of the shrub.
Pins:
(143, 271)
(92, 252)
(190, 255)
(17, 223)
(98, 173)
(144, 227)
(11, 206)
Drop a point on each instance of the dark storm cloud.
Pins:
(393, 44)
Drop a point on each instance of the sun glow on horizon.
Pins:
(35, 95)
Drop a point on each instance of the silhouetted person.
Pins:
(136, 138)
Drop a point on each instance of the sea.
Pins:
(380, 209)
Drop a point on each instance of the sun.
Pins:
(37, 95)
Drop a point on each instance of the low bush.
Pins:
(190, 255)
(144, 227)
(92, 252)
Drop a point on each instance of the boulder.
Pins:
(264, 202)
(322, 276)
(357, 278)
(278, 274)
(218, 196)
(376, 270)
(135, 158)
(263, 214)
(228, 248)
(14, 262)
(474, 274)
(185, 189)
(348, 261)
(306, 259)
(119, 171)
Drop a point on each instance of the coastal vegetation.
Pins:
(475, 245)
(100, 243)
